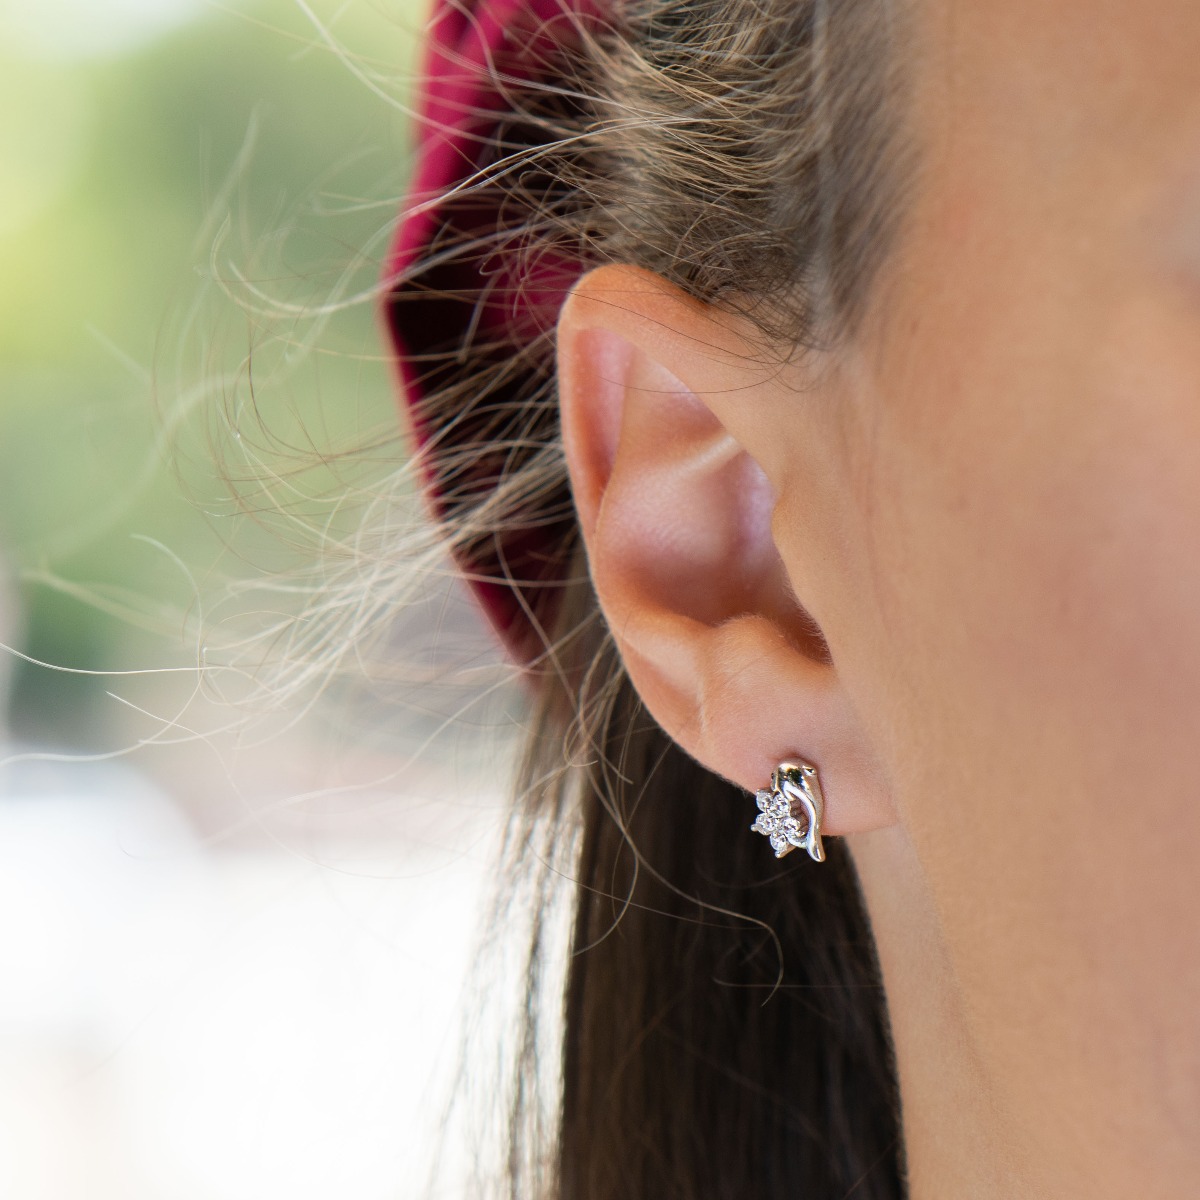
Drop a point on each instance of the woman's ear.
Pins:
(667, 427)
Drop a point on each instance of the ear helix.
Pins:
(792, 809)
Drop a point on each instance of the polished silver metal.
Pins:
(792, 809)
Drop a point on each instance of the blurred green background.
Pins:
(181, 183)
(233, 958)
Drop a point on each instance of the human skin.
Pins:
(988, 501)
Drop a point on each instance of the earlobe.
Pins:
(676, 513)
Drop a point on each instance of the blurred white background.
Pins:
(216, 1022)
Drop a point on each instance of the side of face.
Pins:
(1019, 623)
(989, 506)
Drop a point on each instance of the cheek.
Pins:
(1139, 573)
(1032, 508)
(1054, 506)
(1024, 632)
(1037, 527)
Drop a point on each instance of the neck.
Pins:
(956, 1140)
(988, 1113)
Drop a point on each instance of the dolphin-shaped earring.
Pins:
(791, 811)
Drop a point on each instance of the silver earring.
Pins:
(791, 810)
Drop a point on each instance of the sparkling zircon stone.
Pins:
(775, 821)
(768, 818)
(791, 811)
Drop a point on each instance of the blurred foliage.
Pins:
(150, 196)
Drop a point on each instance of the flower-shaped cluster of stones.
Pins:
(775, 820)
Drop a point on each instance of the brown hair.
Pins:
(725, 1033)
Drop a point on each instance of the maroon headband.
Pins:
(444, 300)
